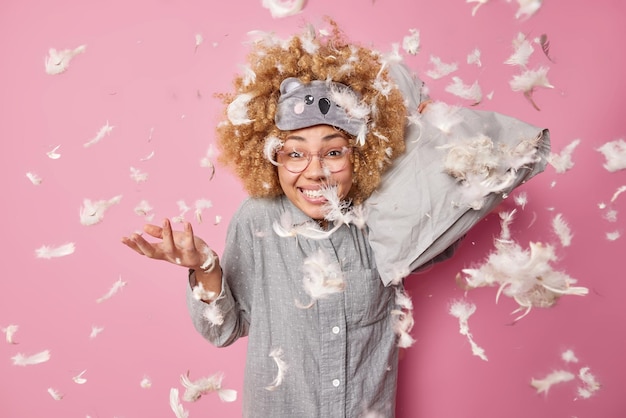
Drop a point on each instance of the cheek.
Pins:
(285, 178)
(345, 180)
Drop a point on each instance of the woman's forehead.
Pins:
(317, 134)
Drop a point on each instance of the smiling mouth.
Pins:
(312, 194)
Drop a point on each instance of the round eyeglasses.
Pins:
(295, 161)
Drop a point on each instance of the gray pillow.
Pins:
(420, 212)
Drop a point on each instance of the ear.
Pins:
(289, 85)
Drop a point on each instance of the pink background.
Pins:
(142, 73)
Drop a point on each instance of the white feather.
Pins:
(357, 216)
(147, 157)
(403, 299)
(21, 360)
(9, 333)
(443, 116)
(34, 178)
(478, 4)
(349, 101)
(79, 379)
(176, 406)
(53, 154)
(411, 42)
(237, 110)
(441, 69)
(183, 209)
(283, 8)
(531, 79)
(199, 40)
(402, 326)
(590, 383)
(469, 92)
(213, 314)
(462, 310)
(144, 209)
(334, 207)
(207, 160)
(249, 76)
(58, 62)
(611, 215)
(284, 228)
(276, 354)
(524, 275)
(474, 58)
(308, 41)
(272, 144)
(116, 287)
(563, 162)
(195, 389)
(403, 317)
(201, 205)
(527, 8)
(137, 175)
(562, 230)
(615, 155)
(102, 132)
(482, 169)
(522, 50)
(568, 356)
(145, 383)
(521, 199)
(322, 278)
(361, 135)
(95, 331)
(199, 293)
(619, 191)
(56, 395)
(92, 213)
(384, 87)
(60, 251)
(557, 376)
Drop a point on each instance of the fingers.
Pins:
(146, 248)
(167, 237)
(153, 230)
(138, 244)
(178, 247)
(131, 244)
(190, 242)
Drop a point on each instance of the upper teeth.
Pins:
(313, 194)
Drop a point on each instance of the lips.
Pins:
(312, 194)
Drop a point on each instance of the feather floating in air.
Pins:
(58, 62)
(54, 252)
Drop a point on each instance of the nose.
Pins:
(316, 169)
(324, 105)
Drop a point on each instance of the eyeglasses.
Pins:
(295, 161)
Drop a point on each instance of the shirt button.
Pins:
(336, 382)
(336, 330)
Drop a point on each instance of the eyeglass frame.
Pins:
(309, 156)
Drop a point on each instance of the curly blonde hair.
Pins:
(309, 58)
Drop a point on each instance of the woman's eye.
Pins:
(334, 153)
(295, 155)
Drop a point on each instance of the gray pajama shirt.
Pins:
(341, 353)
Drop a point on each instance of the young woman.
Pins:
(320, 120)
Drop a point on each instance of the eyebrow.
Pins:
(324, 138)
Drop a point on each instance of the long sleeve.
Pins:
(231, 326)
(234, 301)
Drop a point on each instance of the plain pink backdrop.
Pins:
(143, 74)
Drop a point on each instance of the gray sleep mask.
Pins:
(304, 105)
